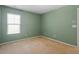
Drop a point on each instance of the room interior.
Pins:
(39, 29)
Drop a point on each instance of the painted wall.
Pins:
(0, 23)
(30, 24)
(55, 24)
(58, 24)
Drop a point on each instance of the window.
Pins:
(13, 23)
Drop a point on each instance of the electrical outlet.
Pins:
(54, 35)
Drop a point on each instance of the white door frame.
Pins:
(77, 27)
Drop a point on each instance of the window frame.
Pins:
(14, 14)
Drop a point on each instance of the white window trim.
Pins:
(14, 24)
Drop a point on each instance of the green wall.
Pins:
(58, 24)
(0, 23)
(30, 24)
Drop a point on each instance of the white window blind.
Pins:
(13, 23)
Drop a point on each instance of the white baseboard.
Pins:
(18, 40)
(59, 41)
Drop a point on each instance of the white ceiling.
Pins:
(39, 9)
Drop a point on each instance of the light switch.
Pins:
(74, 26)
